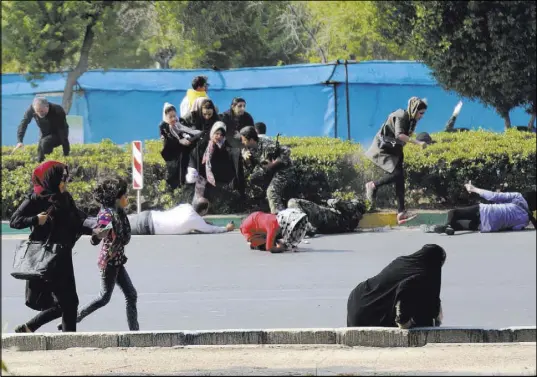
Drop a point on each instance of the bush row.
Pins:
(325, 167)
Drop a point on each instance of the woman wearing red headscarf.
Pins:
(50, 211)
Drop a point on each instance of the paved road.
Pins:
(215, 281)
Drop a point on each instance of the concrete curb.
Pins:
(365, 336)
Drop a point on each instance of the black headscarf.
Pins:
(414, 278)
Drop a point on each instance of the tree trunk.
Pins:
(321, 51)
(531, 124)
(82, 65)
(506, 120)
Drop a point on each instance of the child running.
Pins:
(114, 230)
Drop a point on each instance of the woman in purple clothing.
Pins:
(508, 211)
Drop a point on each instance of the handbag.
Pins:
(34, 259)
(386, 143)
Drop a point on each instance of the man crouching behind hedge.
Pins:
(272, 166)
(53, 128)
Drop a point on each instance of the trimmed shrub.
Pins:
(325, 168)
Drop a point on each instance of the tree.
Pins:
(483, 50)
(52, 36)
(348, 30)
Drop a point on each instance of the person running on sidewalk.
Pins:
(275, 233)
(386, 152)
(51, 213)
(183, 219)
(114, 230)
(405, 294)
(338, 216)
(509, 211)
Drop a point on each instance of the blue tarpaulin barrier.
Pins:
(295, 100)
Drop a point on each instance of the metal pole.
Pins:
(138, 201)
(347, 95)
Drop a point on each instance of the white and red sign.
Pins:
(137, 166)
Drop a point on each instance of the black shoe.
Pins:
(23, 329)
(60, 327)
(439, 229)
(450, 231)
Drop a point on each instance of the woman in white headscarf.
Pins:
(220, 165)
(387, 152)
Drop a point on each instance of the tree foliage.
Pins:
(484, 50)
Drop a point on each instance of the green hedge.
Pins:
(326, 167)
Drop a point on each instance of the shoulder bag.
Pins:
(34, 259)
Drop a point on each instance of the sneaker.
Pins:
(404, 217)
(450, 231)
(433, 228)
(22, 329)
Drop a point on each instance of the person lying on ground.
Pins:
(338, 216)
(270, 165)
(275, 233)
(236, 118)
(221, 166)
(178, 142)
(183, 219)
(509, 211)
(405, 294)
(200, 86)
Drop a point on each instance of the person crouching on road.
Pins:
(275, 233)
(508, 211)
(405, 294)
(114, 230)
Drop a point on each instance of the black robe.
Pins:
(412, 279)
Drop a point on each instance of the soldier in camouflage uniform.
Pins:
(270, 168)
(338, 216)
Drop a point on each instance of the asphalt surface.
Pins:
(201, 282)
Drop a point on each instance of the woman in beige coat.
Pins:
(387, 152)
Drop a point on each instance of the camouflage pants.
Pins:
(324, 219)
(277, 188)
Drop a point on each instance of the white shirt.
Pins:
(182, 220)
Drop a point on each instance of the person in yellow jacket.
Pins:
(199, 89)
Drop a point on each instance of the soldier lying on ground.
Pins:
(338, 216)
(509, 211)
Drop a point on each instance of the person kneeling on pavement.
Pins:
(405, 294)
(275, 233)
(183, 219)
(338, 216)
(509, 211)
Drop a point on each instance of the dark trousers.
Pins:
(47, 144)
(464, 218)
(397, 177)
(111, 276)
(63, 289)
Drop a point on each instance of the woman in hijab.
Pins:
(176, 148)
(275, 233)
(220, 166)
(405, 294)
(387, 152)
(50, 211)
(202, 118)
(236, 118)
